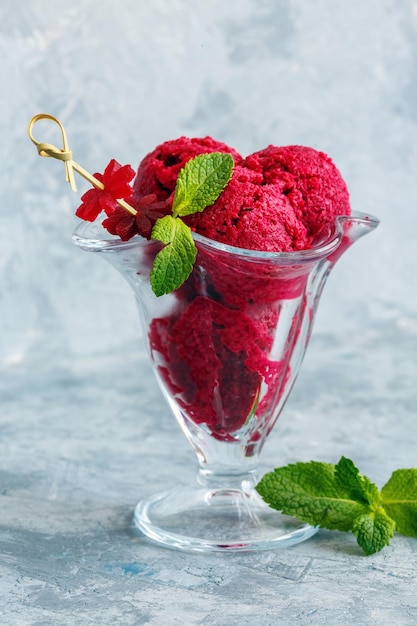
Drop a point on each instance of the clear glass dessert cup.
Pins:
(226, 349)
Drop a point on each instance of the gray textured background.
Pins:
(84, 432)
(125, 76)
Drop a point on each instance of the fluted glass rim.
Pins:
(324, 248)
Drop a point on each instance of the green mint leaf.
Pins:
(373, 531)
(200, 182)
(339, 497)
(312, 493)
(357, 486)
(173, 264)
(399, 499)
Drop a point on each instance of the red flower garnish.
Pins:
(126, 226)
(121, 223)
(116, 180)
(150, 210)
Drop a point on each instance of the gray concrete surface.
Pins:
(82, 441)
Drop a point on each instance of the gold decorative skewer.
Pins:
(65, 154)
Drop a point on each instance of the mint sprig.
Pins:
(175, 261)
(339, 497)
(199, 184)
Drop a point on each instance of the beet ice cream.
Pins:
(249, 214)
(158, 172)
(309, 180)
(277, 200)
(217, 349)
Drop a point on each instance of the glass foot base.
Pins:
(216, 520)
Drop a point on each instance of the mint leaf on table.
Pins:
(312, 493)
(373, 531)
(357, 486)
(172, 264)
(339, 497)
(399, 497)
(199, 184)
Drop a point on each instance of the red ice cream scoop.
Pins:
(309, 180)
(158, 171)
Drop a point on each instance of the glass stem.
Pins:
(226, 465)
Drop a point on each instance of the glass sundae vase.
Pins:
(226, 348)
